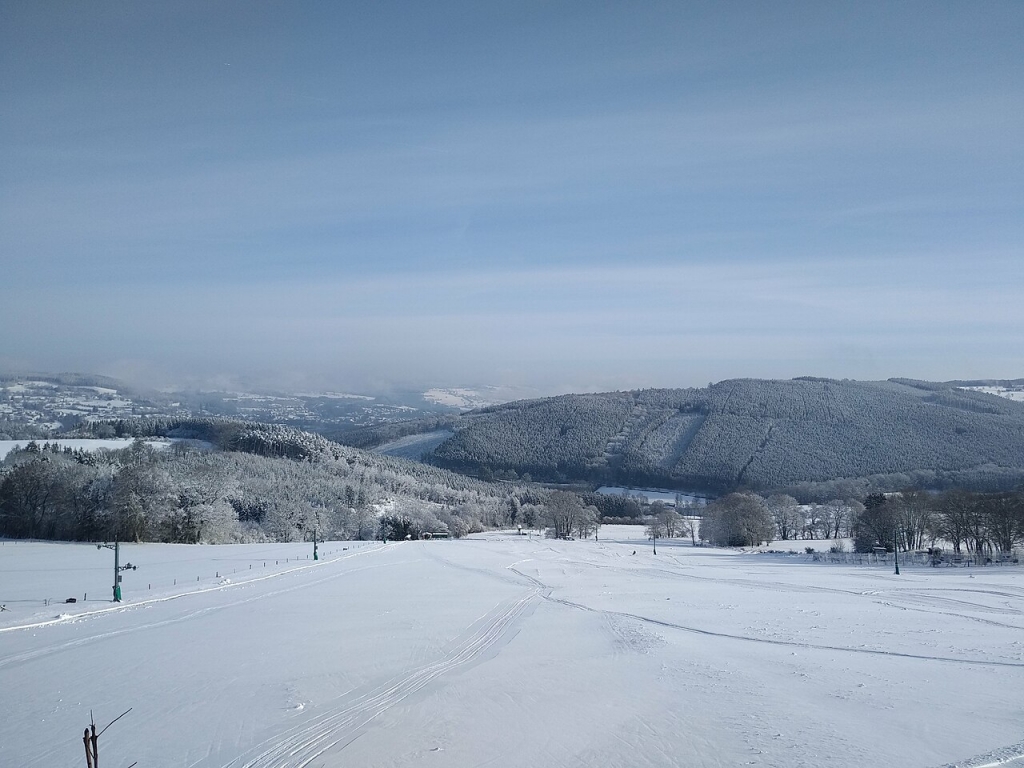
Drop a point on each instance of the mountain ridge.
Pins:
(759, 434)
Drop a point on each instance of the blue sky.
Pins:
(564, 196)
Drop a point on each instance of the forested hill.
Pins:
(243, 482)
(746, 433)
(279, 441)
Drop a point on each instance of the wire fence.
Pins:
(933, 559)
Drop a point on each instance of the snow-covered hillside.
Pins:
(506, 650)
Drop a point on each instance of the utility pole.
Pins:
(896, 551)
(116, 546)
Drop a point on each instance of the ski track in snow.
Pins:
(1011, 755)
(546, 590)
(787, 643)
(300, 746)
(893, 598)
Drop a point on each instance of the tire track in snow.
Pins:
(768, 641)
(936, 612)
(432, 553)
(300, 746)
(790, 643)
(887, 597)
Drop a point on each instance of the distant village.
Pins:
(44, 407)
(49, 407)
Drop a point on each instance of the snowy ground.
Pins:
(1014, 393)
(505, 650)
(801, 545)
(461, 398)
(468, 398)
(414, 446)
(652, 495)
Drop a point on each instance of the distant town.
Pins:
(46, 405)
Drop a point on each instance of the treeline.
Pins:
(17, 430)
(813, 438)
(980, 524)
(273, 484)
(225, 434)
(975, 523)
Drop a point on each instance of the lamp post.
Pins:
(116, 546)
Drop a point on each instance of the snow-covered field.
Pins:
(464, 399)
(652, 495)
(468, 398)
(414, 446)
(1016, 393)
(505, 650)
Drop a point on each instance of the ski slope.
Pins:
(505, 650)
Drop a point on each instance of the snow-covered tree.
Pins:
(561, 511)
(737, 520)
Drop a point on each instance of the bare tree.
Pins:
(672, 521)
(833, 517)
(1004, 519)
(587, 522)
(913, 510)
(690, 524)
(784, 511)
(958, 519)
(655, 528)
